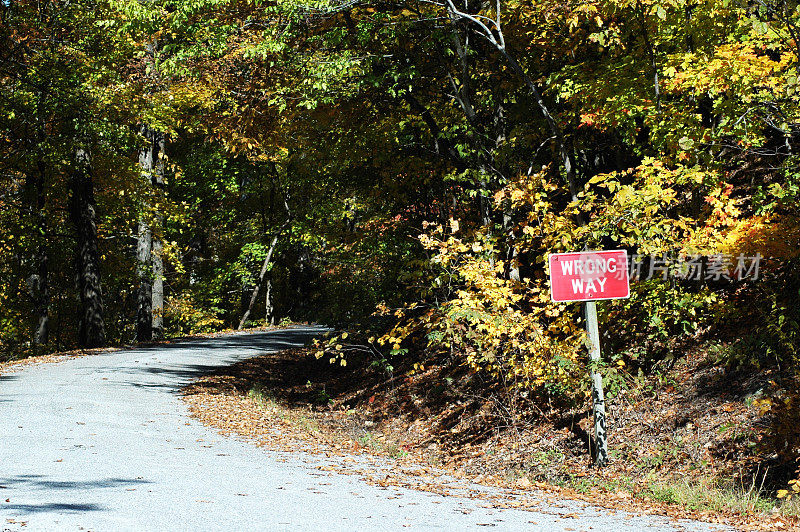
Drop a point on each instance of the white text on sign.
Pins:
(589, 275)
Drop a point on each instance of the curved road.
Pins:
(103, 443)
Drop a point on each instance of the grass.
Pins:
(262, 397)
(587, 484)
(381, 446)
(265, 400)
(703, 494)
(707, 494)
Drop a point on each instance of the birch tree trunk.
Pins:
(269, 315)
(91, 331)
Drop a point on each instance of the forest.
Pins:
(402, 170)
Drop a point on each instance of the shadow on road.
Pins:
(172, 376)
(53, 507)
(42, 482)
(266, 340)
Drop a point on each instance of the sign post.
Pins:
(598, 399)
(589, 276)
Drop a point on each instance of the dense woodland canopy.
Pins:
(180, 166)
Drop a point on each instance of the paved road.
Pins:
(103, 443)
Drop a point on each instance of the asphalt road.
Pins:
(103, 443)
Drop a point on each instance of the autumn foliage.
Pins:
(418, 158)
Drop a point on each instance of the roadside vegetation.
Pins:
(401, 171)
(689, 445)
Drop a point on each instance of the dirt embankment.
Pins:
(686, 443)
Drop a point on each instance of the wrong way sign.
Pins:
(589, 275)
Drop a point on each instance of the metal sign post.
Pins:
(598, 400)
(588, 276)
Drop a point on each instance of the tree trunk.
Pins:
(38, 281)
(40, 293)
(144, 303)
(265, 266)
(149, 264)
(269, 314)
(260, 282)
(91, 332)
(512, 253)
(158, 291)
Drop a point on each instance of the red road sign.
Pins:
(589, 275)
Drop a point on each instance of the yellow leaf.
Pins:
(598, 178)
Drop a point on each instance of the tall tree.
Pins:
(92, 332)
(39, 279)
(150, 265)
